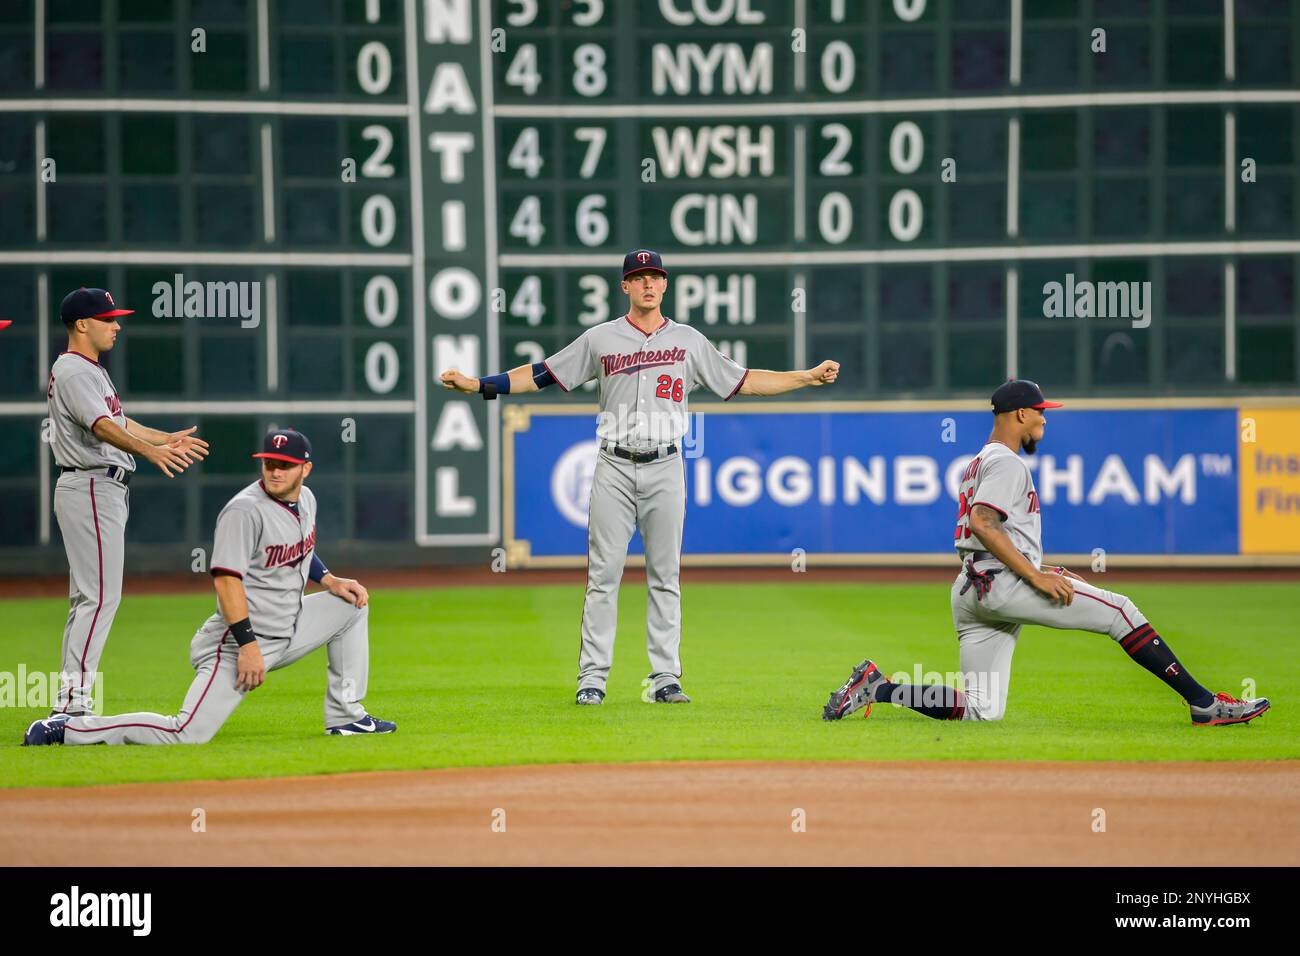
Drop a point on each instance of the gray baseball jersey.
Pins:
(266, 544)
(262, 540)
(645, 380)
(988, 626)
(80, 393)
(999, 479)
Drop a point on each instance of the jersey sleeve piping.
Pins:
(994, 507)
(738, 385)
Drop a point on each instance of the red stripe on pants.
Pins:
(166, 730)
(99, 552)
(1108, 604)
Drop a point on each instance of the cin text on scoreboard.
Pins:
(418, 184)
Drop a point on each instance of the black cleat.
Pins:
(671, 694)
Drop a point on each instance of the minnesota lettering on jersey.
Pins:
(287, 555)
(625, 363)
(114, 404)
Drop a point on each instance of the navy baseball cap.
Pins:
(642, 260)
(89, 304)
(1020, 393)
(286, 445)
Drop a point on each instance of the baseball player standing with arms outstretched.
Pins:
(647, 366)
(94, 444)
(1003, 587)
(263, 554)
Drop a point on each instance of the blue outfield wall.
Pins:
(882, 482)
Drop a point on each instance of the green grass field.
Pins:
(485, 676)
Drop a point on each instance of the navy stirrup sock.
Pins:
(938, 701)
(1149, 649)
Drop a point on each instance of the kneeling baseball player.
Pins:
(1002, 587)
(263, 554)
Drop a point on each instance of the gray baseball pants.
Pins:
(324, 619)
(987, 629)
(626, 497)
(92, 512)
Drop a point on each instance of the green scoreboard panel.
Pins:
(401, 186)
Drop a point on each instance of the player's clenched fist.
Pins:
(453, 379)
(824, 374)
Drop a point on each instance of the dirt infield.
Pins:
(964, 814)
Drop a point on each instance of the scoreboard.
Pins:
(315, 206)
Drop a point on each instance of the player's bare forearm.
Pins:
(184, 442)
(152, 435)
(230, 597)
(172, 456)
(986, 524)
(521, 380)
(107, 430)
(761, 381)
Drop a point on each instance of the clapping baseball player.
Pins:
(1002, 586)
(95, 445)
(647, 366)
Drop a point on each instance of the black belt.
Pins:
(115, 472)
(640, 457)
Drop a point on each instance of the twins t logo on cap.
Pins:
(279, 441)
(639, 260)
(109, 297)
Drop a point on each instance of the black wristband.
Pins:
(489, 391)
(243, 632)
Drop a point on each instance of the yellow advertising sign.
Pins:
(1270, 480)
